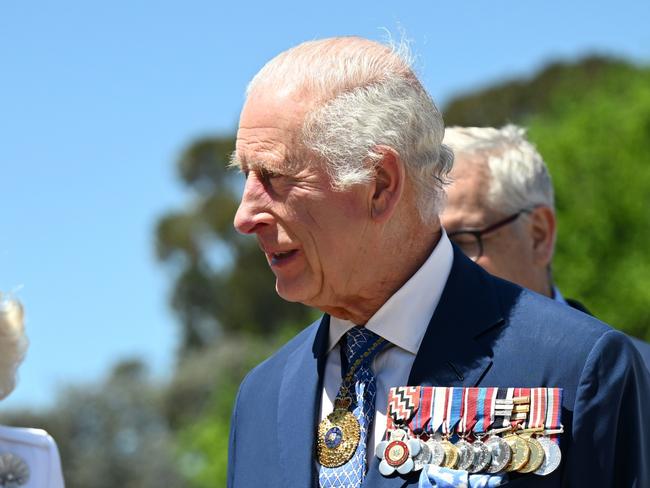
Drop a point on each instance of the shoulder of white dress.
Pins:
(27, 435)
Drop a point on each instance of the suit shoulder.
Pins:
(549, 316)
(541, 327)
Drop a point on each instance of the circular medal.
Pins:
(520, 452)
(423, 457)
(437, 452)
(451, 455)
(552, 456)
(338, 437)
(536, 456)
(396, 453)
(482, 457)
(465, 455)
(500, 454)
(14, 471)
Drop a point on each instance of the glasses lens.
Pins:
(468, 243)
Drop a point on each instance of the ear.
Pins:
(543, 231)
(390, 177)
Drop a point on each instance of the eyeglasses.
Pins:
(470, 240)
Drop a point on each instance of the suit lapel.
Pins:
(299, 407)
(451, 352)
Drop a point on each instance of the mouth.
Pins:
(280, 258)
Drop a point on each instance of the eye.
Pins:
(266, 176)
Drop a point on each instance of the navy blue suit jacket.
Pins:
(484, 332)
(641, 346)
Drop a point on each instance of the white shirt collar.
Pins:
(404, 318)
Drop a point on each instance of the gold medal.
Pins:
(520, 452)
(338, 436)
(536, 458)
(451, 454)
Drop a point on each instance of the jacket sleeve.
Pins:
(232, 443)
(611, 430)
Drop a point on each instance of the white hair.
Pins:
(13, 343)
(519, 176)
(366, 95)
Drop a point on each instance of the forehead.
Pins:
(467, 194)
(270, 128)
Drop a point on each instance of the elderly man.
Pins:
(501, 211)
(342, 151)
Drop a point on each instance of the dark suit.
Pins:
(641, 346)
(484, 332)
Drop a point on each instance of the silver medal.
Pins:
(482, 457)
(500, 454)
(14, 472)
(437, 452)
(465, 455)
(552, 456)
(423, 457)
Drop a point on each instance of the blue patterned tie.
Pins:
(357, 342)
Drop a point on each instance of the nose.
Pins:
(252, 214)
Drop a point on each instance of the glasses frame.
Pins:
(479, 233)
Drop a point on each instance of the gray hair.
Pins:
(13, 343)
(519, 176)
(367, 95)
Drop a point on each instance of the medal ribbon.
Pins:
(447, 410)
(423, 415)
(537, 414)
(403, 402)
(438, 407)
(454, 408)
(501, 413)
(470, 408)
(553, 411)
(521, 392)
(485, 409)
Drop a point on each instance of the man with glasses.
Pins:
(500, 209)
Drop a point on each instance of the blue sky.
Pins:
(98, 99)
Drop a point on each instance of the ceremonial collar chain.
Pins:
(344, 391)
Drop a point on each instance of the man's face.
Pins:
(507, 251)
(313, 237)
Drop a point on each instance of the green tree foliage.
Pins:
(517, 100)
(203, 437)
(223, 282)
(596, 143)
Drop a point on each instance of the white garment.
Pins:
(402, 320)
(38, 450)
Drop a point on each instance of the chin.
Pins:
(293, 291)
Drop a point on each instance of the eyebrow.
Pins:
(288, 166)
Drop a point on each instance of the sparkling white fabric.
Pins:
(357, 341)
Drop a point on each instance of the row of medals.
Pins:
(514, 452)
(523, 452)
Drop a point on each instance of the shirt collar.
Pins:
(404, 318)
(557, 296)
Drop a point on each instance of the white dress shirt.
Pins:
(402, 321)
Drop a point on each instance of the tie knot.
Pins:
(362, 343)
